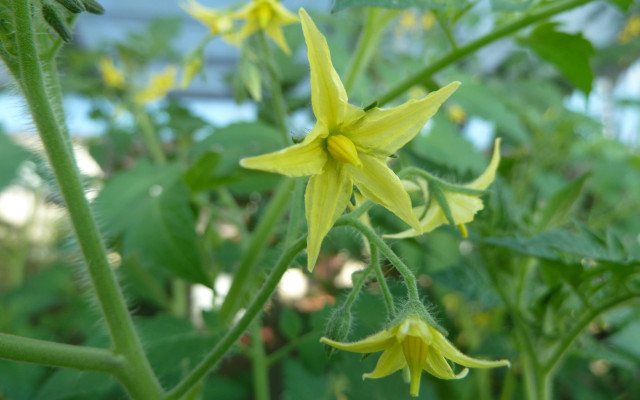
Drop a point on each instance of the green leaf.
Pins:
(557, 208)
(510, 5)
(71, 384)
(150, 208)
(571, 58)
(300, 384)
(622, 4)
(339, 5)
(11, 156)
(290, 323)
(201, 175)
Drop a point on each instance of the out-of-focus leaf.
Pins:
(201, 175)
(510, 5)
(290, 323)
(300, 384)
(480, 100)
(557, 207)
(622, 4)
(443, 145)
(339, 5)
(19, 381)
(71, 384)
(149, 206)
(571, 58)
(219, 387)
(11, 156)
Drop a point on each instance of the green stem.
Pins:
(149, 135)
(374, 27)
(292, 344)
(465, 50)
(258, 242)
(42, 352)
(279, 106)
(384, 288)
(375, 240)
(296, 216)
(260, 363)
(232, 335)
(357, 285)
(110, 298)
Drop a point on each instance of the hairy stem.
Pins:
(110, 298)
(258, 303)
(260, 363)
(463, 51)
(384, 288)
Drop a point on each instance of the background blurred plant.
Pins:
(548, 276)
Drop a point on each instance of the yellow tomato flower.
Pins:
(192, 67)
(428, 20)
(218, 22)
(267, 15)
(457, 115)
(110, 74)
(415, 345)
(159, 86)
(463, 206)
(347, 146)
(631, 29)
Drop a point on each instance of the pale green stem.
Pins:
(279, 105)
(357, 286)
(374, 27)
(108, 292)
(53, 354)
(384, 288)
(260, 363)
(232, 335)
(149, 135)
(242, 274)
(297, 213)
(375, 240)
(463, 51)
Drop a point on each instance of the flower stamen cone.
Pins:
(342, 149)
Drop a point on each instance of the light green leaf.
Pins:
(558, 206)
(510, 5)
(339, 5)
(571, 58)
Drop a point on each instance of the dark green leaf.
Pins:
(70, 384)
(290, 323)
(300, 384)
(557, 208)
(202, 174)
(571, 58)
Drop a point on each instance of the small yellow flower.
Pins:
(457, 114)
(428, 20)
(347, 146)
(218, 22)
(267, 15)
(631, 29)
(110, 74)
(463, 206)
(159, 86)
(415, 345)
(192, 67)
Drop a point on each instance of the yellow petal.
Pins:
(328, 97)
(414, 326)
(326, 197)
(389, 362)
(385, 131)
(378, 183)
(415, 353)
(249, 28)
(487, 177)
(306, 158)
(275, 33)
(282, 15)
(449, 351)
(371, 344)
(437, 366)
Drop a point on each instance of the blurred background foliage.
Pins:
(556, 249)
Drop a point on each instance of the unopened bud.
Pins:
(55, 21)
(338, 327)
(74, 6)
(93, 6)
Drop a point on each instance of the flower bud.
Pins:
(74, 6)
(338, 327)
(55, 21)
(93, 6)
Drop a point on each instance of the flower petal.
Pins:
(371, 344)
(448, 350)
(326, 197)
(274, 31)
(483, 181)
(438, 366)
(328, 96)
(385, 131)
(389, 362)
(302, 159)
(378, 183)
(283, 16)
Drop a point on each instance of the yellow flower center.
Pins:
(342, 149)
(415, 352)
(264, 12)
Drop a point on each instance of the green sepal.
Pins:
(56, 22)
(93, 6)
(435, 190)
(74, 6)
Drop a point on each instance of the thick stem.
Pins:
(375, 240)
(469, 48)
(260, 363)
(41, 352)
(258, 303)
(110, 298)
(242, 274)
